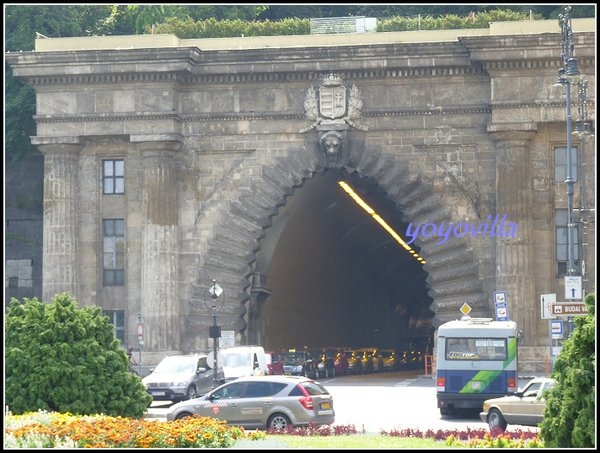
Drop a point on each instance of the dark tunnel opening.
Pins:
(336, 276)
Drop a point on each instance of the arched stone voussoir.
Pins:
(453, 271)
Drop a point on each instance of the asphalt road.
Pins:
(385, 401)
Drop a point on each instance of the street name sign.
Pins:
(569, 309)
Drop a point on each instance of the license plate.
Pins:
(158, 393)
(325, 406)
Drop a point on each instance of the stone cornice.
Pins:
(255, 116)
(183, 78)
(553, 64)
(546, 46)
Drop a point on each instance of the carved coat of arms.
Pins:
(334, 104)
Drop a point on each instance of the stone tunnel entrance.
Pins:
(335, 276)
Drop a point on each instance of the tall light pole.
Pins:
(215, 331)
(567, 74)
(583, 128)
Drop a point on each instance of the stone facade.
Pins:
(214, 141)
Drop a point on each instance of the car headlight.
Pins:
(178, 384)
(485, 407)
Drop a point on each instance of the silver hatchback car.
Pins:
(263, 402)
(181, 377)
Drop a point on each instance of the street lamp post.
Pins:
(567, 74)
(215, 331)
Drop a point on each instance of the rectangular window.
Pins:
(114, 252)
(113, 176)
(560, 163)
(562, 243)
(117, 318)
(476, 349)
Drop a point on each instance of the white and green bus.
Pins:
(476, 360)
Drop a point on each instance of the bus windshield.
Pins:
(476, 349)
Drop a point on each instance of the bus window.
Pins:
(475, 348)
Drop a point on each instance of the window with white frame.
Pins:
(113, 176)
(560, 163)
(117, 318)
(562, 243)
(114, 252)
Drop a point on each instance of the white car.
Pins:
(181, 377)
(525, 407)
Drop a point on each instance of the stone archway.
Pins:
(263, 183)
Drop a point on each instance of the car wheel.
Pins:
(183, 415)
(496, 420)
(191, 392)
(278, 422)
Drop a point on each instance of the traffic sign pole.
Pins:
(140, 341)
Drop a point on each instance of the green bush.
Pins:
(59, 357)
(212, 28)
(570, 405)
(450, 21)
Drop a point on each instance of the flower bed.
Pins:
(476, 438)
(318, 430)
(53, 430)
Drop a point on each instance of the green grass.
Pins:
(352, 441)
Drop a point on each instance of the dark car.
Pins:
(274, 402)
(388, 359)
(299, 363)
(354, 358)
(325, 358)
(340, 362)
(274, 363)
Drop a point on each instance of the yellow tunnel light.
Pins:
(359, 201)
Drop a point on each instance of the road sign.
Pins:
(501, 306)
(500, 297)
(501, 312)
(569, 309)
(227, 339)
(573, 287)
(545, 308)
(215, 290)
(557, 329)
(465, 309)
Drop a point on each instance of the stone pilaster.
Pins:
(514, 255)
(60, 237)
(160, 305)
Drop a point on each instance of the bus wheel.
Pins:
(496, 420)
(445, 411)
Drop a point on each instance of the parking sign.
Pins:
(501, 306)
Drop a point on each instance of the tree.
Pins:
(570, 406)
(63, 358)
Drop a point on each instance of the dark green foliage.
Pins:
(63, 358)
(571, 406)
(450, 21)
(212, 28)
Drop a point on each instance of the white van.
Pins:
(243, 361)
